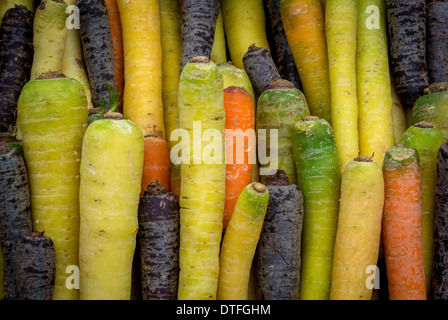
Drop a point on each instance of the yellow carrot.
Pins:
(219, 54)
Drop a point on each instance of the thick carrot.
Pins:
(142, 97)
(35, 261)
(277, 259)
(52, 112)
(117, 42)
(240, 151)
(15, 212)
(240, 242)
(440, 263)
(427, 140)
(304, 25)
(156, 163)
(402, 224)
(111, 173)
(16, 56)
(359, 230)
(376, 130)
(318, 177)
(219, 49)
(198, 18)
(158, 237)
(340, 26)
(235, 77)
(202, 194)
(244, 25)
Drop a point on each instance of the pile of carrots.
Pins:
(223, 150)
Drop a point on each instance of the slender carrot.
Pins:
(427, 139)
(156, 163)
(219, 50)
(304, 24)
(240, 242)
(240, 121)
(402, 224)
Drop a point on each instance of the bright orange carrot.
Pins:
(240, 115)
(117, 40)
(156, 163)
(402, 224)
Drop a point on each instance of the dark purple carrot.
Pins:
(260, 68)
(97, 46)
(15, 209)
(283, 56)
(407, 40)
(277, 258)
(198, 24)
(16, 58)
(35, 262)
(158, 238)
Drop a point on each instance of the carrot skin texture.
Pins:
(16, 57)
(240, 242)
(318, 177)
(398, 115)
(277, 258)
(109, 198)
(235, 77)
(156, 163)
(15, 213)
(407, 42)
(359, 230)
(304, 26)
(427, 141)
(198, 25)
(219, 53)
(436, 42)
(36, 267)
(439, 283)
(402, 224)
(8, 4)
(158, 236)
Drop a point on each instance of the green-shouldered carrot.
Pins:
(111, 175)
(426, 139)
(16, 56)
(318, 177)
(52, 113)
(235, 77)
(304, 25)
(340, 26)
(219, 49)
(402, 224)
(8, 4)
(359, 230)
(240, 242)
(376, 130)
(202, 193)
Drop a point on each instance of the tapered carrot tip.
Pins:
(259, 187)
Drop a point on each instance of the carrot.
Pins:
(426, 139)
(219, 49)
(175, 179)
(111, 174)
(2, 286)
(240, 121)
(16, 56)
(402, 224)
(198, 28)
(142, 97)
(15, 211)
(244, 25)
(117, 43)
(5, 5)
(277, 258)
(235, 77)
(318, 177)
(35, 261)
(240, 242)
(52, 113)
(303, 21)
(340, 27)
(376, 130)
(156, 163)
(158, 236)
(407, 41)
(398, 114)
(202, 193)
(359, 229)
(260, 68)
(439, 283)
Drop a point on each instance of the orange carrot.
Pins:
(240, 115)
(117, 41)
(156, 163)
(402, 224)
